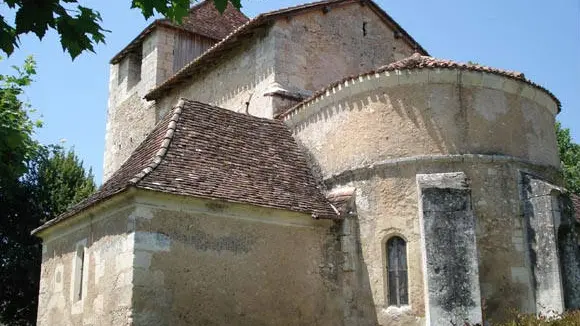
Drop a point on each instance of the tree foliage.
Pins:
(79, 27)
(36, 184)
(16, 127)
(570, 158)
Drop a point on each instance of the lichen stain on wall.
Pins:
(241, 272)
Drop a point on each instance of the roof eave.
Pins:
(331, 214)
(119, 195)
(394, 25)
(148, 30)
(121, 54)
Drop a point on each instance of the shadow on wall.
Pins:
(439, 119)
(355, 282)
(353, 275)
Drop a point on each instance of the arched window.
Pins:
(397, 271)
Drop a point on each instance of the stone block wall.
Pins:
(157, 259)
(378, 132)
(300, 55)
(317, 48)
(214, 263)
(237, 81)
(100, 291)
(130, 118)
(404, 114)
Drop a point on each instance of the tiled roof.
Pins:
(576, 202)
(418, 61)
(247, 30)
(209, 152)
(203, 19)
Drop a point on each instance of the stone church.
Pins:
(313, 166)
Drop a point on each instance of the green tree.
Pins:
(60, 180)
(36, 183)
(16, 127)
(79, 27)
(570, 158)
(55, 180)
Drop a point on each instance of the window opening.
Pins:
(397, 271)
(79, 271)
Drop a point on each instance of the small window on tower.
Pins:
(134, 73)
(397, 272)
(130, 68)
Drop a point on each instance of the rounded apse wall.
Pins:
(376, 132)
(426, 112)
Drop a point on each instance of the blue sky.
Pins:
(537, 37)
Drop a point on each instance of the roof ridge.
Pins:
(158, 157)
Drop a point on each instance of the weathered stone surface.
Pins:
(129, 117)
(543, 218)
(287, 55)
(376, 138)
(235, 266)
(569, 253)
(107, 278)
(451, 271)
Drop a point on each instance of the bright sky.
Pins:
(537, 37)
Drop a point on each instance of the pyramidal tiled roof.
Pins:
(206, 20)
(209, 152)
(203, 19)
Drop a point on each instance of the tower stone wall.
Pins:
(130, 117)
(292, 59)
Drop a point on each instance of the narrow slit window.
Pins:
(397, 272)
(79, 271)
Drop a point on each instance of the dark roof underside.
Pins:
(208, 152)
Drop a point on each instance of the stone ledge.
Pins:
(427, 159)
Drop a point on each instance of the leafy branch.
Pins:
(80, 28)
